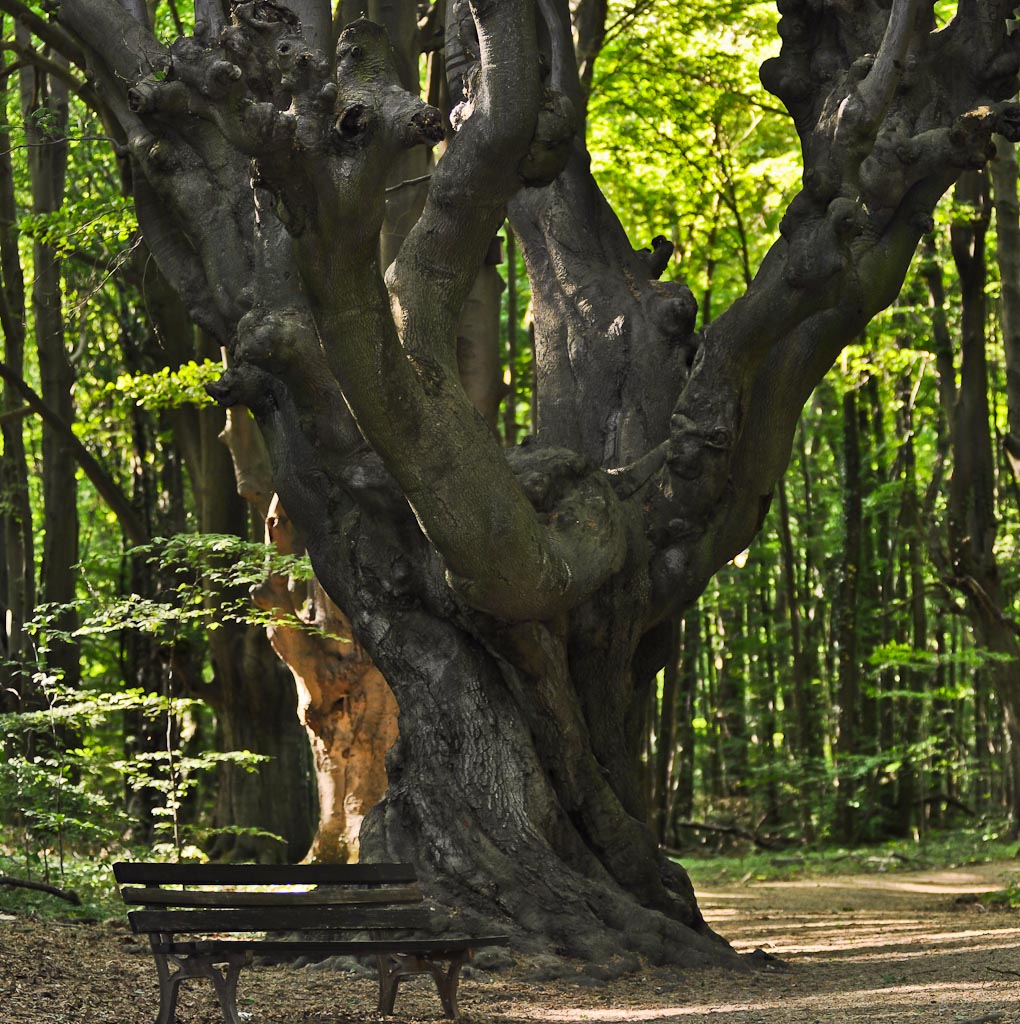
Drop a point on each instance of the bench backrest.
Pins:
(369, 897)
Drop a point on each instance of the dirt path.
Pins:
(878, 948)
(918, 946)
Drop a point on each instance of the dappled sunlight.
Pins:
(945, 883)
(864, 937)
(975, 997)
(916, 945)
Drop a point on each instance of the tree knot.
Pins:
(819, 247)
(552, 142)
(364, 54)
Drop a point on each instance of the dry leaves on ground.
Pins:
(877, 948)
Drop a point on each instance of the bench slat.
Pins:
(213, 898)
(252, 919)
(146, 873)
(298, 947)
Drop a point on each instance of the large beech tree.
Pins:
(520, 602)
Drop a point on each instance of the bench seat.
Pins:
(363, 910)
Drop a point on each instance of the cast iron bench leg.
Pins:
(198, 966)
(169, 982)
(397, 966)
(169, 985)
(448, 980)
(390, 973)
(226, 986)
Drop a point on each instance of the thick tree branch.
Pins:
(589, 24)
(472, 183)
(128, 48)
(322, 165)
(882, 143)
(877, 89)
(52, 67)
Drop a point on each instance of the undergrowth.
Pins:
(89, 877)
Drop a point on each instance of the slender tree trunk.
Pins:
(1004, 174)
(808, 745)
(848, 822)
(730, 707)
(911, 773)
(17, 598)
(690, 662)
(769, 701)
(44, 104)
(972, 515)
(666, 740)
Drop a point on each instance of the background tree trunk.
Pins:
(44, 106)
(848, 738)
(17, 599)
(972, 513)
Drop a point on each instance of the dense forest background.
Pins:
(843, 680)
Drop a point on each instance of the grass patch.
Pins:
(938, 850)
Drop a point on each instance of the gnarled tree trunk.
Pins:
(518, 602)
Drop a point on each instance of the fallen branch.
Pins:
(761, 842)
(22, 883)
(949, 801)
(985, 1018)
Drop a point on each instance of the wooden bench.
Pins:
(382, 900)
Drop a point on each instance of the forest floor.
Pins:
(882, 948)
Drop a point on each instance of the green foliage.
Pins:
(167, 388)
(68, 765)
(69, 797)
(206, 583)
(86, 223)
(714, 167)
(897, 654)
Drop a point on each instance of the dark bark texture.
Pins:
(519, 601)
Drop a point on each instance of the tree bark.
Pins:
(1004, 174)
